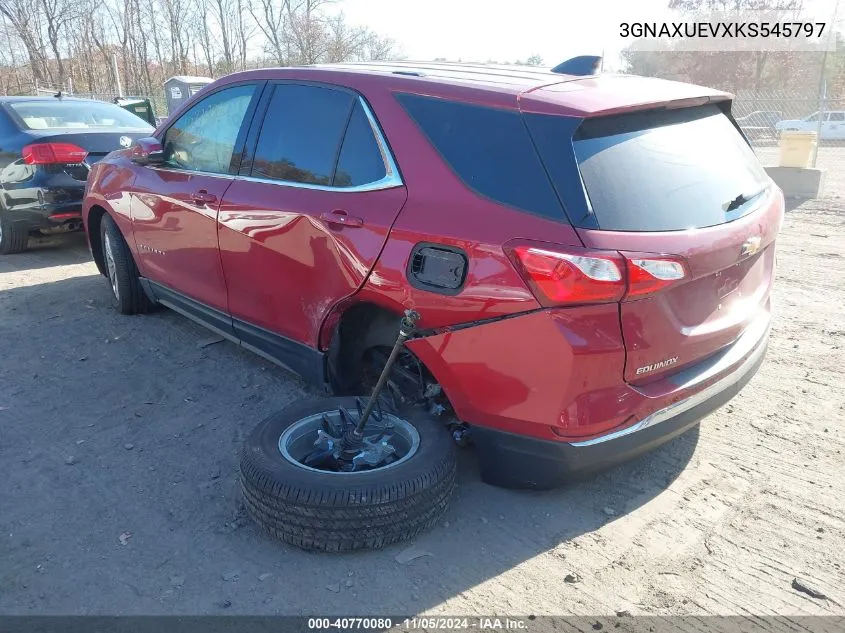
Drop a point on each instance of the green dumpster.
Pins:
(140, 107)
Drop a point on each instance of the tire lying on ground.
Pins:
(343, 511)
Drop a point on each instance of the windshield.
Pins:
(61, 114)
(667, 170)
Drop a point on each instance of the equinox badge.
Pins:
(660, 365)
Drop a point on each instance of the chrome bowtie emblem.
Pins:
(125, 141)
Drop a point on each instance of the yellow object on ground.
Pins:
(796, 148)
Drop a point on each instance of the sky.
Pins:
(506, 31)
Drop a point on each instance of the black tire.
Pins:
(127, 294)
(350, 511)
(14, 238)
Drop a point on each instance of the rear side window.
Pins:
(489, 149)
(663, 170)
(301, 134)
(360, 161)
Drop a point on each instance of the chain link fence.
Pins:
(763, 116)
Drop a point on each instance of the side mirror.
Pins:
(147, 151)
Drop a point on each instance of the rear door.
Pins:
(679, 186)
(304, 223)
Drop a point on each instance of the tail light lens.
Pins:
(580, 276)
(569, 278)
(650, 275)
(51, 153)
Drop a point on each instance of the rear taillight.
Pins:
(579, 276)
(646, 276)
(569, 278)
(50, 153)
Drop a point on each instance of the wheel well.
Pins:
(357, 329)
(361, 328)
(95, 218)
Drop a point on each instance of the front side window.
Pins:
(204, 138)
(837, 116)
(301, 135)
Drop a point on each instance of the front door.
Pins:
(174, 205)
(304, 223)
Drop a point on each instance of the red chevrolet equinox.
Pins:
(592, 256)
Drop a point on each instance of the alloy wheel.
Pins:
(111, 266)
(316, 442)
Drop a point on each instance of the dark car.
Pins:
(47, 146)
(592, 259)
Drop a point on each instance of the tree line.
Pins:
(71, 45)
(746, 71)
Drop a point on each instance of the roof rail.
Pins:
(581, 65)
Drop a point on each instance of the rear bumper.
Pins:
(46, 216)
(516, 461)
(45, 201)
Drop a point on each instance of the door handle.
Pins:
(342, 218)
(202, 197)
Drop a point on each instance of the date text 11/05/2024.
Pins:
(420, 624)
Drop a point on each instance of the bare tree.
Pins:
(269, 17)
(71, 43)
(24, 17)
(57, 15)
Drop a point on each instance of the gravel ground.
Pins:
(118, 445)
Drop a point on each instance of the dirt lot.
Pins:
(118, 443)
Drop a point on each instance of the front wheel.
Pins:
(397, 486)
(127, 294)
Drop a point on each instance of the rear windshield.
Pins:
(667, 170)
(60, 114)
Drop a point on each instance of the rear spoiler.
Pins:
(603, 95)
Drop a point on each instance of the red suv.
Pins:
(592, 256)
